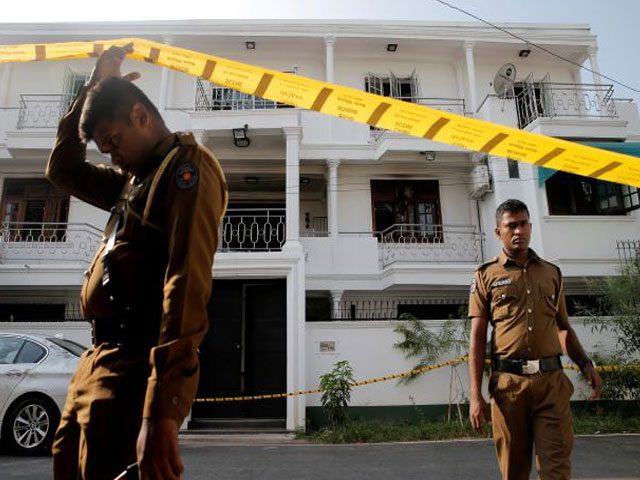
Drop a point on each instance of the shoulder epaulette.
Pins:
(483, 265)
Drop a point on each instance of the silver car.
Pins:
(34, 377)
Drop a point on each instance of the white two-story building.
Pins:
(334, 229)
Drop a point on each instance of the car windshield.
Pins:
(68, 345)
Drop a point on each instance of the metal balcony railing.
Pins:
(452, 105)
(48, 242)
(628, 251)
(42, 110)
(430, 243)
(211, 97)
(250, 230)
(550, 100)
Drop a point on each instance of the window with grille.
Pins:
(569, 194)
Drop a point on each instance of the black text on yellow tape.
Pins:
(412, 119)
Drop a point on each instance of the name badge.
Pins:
(501, 283)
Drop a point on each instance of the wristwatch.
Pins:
(583, 363)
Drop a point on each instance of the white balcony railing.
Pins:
(31, 242)
(551, 100)
(42, 110)
(430, 243)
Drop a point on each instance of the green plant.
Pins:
(618, 312)
(418, 340)
(336, 392)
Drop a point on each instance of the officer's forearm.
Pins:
(69, 151)
(477, 344)
(571, 344)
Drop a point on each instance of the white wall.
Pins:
(368, 346)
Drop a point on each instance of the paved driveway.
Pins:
(231, 458)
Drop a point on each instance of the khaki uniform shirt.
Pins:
(523, 305)
(167, 220)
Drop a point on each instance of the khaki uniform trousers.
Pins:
(527, 411)
(99, 426)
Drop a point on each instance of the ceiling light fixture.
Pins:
(240, 138)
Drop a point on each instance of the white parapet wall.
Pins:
(368, 346)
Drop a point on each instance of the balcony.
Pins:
(429, 243)
(564, 100)
(41, 110)
(34, 242)
(253, 230)
(451, 105)
(210, 97)
(243, 230)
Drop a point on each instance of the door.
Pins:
(244, 351)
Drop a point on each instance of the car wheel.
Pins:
(30, 426)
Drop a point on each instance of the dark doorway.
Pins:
(245, 351)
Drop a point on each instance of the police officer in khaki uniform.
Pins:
(523, 298)
(147, 290)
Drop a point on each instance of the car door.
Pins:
(11, 374)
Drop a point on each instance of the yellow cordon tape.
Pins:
(453, 361)
(359, 106)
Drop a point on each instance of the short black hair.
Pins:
(111, 99)
(510, 206)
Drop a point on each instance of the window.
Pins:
(9, 349)
(405, 209)
(30, 353)
(532, 99)
(33, 209)
(569, 194)
(403, 88)
(630, 197)
(70, 346)
(73, 82)
(514, 168)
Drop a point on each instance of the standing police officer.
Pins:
(147, 290)
(523, 298)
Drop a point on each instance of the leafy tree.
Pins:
(336, 392)
(618, 312)
(419, 341)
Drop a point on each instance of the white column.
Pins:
(296, 345)
(593, 61)
(164, 79)
(329, 41)
(336, 298)
(332, 197)
(5, 79)
(471, 76)
(293, 136)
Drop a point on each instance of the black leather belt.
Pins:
(121, 333)
(526, 367)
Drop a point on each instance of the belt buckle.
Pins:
(531, 367)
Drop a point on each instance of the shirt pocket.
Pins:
(504, 302)
(548, 299)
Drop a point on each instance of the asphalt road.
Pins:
(595, 457)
